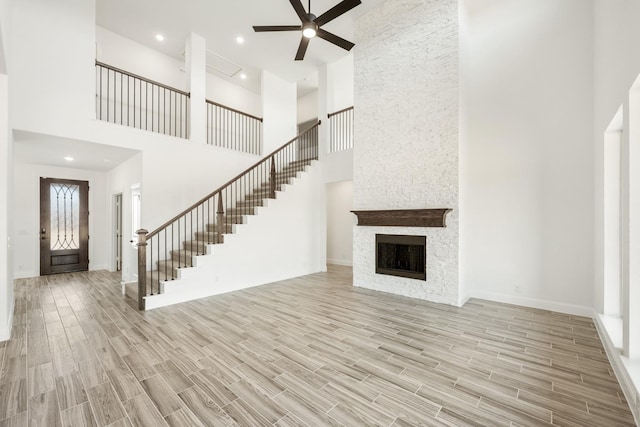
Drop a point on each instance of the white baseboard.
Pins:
(99, 267)
(5, 333)
(24, 274)
(463, 300)
(630, 391)
(340, 262)
(576, 310)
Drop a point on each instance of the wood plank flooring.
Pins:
(310, 351)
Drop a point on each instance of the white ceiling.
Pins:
(221, 21)
(40, 149)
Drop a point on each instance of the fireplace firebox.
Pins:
(403, 256)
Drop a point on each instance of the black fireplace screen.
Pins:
(403, 256)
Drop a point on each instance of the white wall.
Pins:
(526, 169)
(308, 107)
(280, 111)
(406, 136)
(123, 53)
(236, 97)
(340, 223)
(5, 15)
(616, 66)
(53, 44)
(27, 216)
(340, 80)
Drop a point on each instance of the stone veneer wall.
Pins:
(406, 136)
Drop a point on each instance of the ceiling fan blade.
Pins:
(299, 8)
(262, 28)
(332, 38)
(335, 11)
(302, 49)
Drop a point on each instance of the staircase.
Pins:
(183, 258)
(181, 244)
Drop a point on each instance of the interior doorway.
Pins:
(117, 231)
(64, 225)
(340, 223)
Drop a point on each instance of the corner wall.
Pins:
(6, 213)
(406, 136)
(527, 221)
(6, 179)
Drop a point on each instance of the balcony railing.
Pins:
(131, 100)
(341, 130)
(233, 129)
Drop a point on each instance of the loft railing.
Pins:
(341, 130)
(230, 128)
(131, 100)
(170, 247)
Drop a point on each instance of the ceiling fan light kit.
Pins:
(311, 25)
(309, 29)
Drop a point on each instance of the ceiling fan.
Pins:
(311, 25)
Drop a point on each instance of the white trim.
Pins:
(619, 368)
(340, 262)
(576, 310)
(464, 300)
(5, 333)
(25, 274)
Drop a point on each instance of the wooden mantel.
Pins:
(403, 217)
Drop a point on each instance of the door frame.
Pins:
(44, 233)
(117, 235)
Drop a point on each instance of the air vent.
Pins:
(222, 65)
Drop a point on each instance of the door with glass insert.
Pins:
(64, 226)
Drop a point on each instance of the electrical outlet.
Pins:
(517, 289)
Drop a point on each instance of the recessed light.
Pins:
(239, 39)
(243, 76)
(159, 37)
(69, 159)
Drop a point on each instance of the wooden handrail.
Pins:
(144, 79)
(338, 112)
(231, 181)
(234, 110)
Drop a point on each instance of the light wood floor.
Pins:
(308, 351)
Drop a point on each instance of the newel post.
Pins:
(220, 219)
(272, 179)
(142, 267)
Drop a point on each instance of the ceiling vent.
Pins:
(222, 65)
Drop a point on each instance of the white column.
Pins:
(632, 321)
(196, 65)
(323, 110)
(6, 205)
(612, 235)
(279, 109)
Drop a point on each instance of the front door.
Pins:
(64, 225)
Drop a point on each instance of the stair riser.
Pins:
(240, 211)
(252, 203)
(206, 236)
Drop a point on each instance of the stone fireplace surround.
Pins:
(407, 136)
(412, 222)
